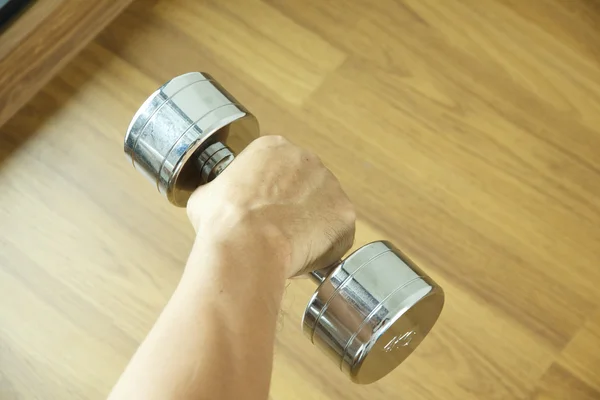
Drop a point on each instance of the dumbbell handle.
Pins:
(213, 161)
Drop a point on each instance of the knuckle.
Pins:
(348, 240)
(270, 146)
(341, 228)
(344, 237)
(311, 157)
(271, 140)
(349, 219)
(349, 213)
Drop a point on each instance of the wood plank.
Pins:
(558, 384)
(45, 37)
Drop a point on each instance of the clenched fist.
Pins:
(279, 202)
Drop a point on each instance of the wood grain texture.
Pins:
(466, 132)
(42, 40)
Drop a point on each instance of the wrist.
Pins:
(244, 235)
(244, 260)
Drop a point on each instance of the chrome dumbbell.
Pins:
(369, 312)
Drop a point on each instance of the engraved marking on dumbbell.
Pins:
(372, 313)
(400, 341)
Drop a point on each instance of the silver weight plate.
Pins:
(177, 123)
(372, 311)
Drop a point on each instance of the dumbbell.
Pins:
(369, 311)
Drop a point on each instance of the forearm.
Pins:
(274, 212)
(215, 337)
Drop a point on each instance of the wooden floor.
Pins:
(34, 47)
(465, 131)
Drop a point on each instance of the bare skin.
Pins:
(275, 213)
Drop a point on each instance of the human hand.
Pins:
(276, 200)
